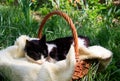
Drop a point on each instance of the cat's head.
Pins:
(36, 48)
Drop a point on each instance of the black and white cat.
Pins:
(55, 50)
(38, 50)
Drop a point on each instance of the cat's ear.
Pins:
(27, 42)
(43, 39)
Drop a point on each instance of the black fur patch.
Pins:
(35, 48)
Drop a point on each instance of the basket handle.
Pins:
(69, 20)
(80, 68)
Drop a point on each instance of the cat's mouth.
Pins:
(49, 59)
(41, 61)
(34, 61)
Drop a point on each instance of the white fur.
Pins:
(20, 43)
(34, 39)
(81, 42)
(95, 52)
(18, 68)
(14, 51)
(60, 71)
(103, 55)
(50, 46)
(33, 61)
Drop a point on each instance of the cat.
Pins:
(54, 50)
(14, 65)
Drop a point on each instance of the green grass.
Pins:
(102, 32)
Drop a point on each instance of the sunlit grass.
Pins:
(104, 33)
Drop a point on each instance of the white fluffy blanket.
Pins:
(14, 64)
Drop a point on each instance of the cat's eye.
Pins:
(44, 51)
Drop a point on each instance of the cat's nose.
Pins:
(48, 58)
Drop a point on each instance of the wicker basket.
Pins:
(81, 68)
